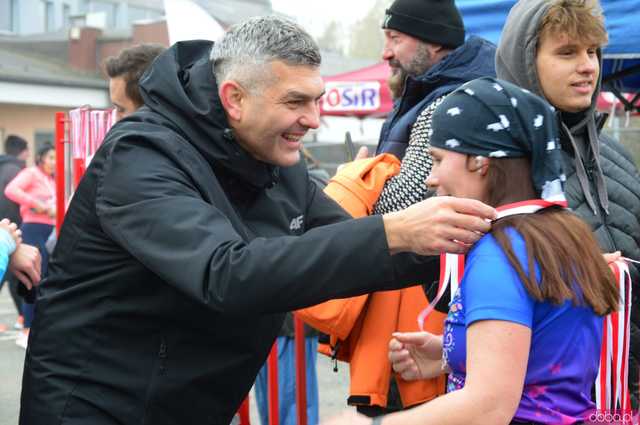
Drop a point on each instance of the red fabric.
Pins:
(606, 100)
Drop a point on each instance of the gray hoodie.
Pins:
(603, 184)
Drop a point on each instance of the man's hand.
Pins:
(438, 224)
(25, 264)
(363, 153)
(416, 355)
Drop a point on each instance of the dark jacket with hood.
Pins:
(474, 59)
(10, 166)
(177, 260)
(603, 184)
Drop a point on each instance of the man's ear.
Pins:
(232, 97)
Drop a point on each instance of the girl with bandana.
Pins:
(523, 335)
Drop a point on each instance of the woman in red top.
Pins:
(35, 191)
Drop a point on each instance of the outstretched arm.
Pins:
(497, 356)
(197, 246)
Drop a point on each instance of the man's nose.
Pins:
(387, 53)
(588, 63)
(311, 117)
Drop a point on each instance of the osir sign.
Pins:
(348, 96)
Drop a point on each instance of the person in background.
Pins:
(426, 50)
(564, 40)
(124, 72)
(34, 190)
(426, 40)
(534, 288)
(13, 160)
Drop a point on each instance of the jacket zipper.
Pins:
(334, 356)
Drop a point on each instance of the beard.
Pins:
(420, 63)
(396, 82)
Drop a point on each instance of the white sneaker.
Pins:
(19, 325)
(22, 340)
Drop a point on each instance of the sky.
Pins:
(314, 16)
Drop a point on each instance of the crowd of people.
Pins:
(170, 281)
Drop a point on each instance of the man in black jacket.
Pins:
(196, 227)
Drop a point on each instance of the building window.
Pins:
(140, 13)
(5, 16)
(14, 16)
(115, 11)
(49, 16)
(66, 15)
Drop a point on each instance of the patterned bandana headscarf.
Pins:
(497, 119)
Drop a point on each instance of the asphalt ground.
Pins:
(333, 387)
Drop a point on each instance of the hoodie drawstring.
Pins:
(594, 142)
(580, 169)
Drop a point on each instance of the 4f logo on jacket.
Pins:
(296, 223)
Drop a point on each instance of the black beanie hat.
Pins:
(433, 21)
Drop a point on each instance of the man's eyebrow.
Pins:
(296, 95)
(571, 45)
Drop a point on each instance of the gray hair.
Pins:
(247, 48)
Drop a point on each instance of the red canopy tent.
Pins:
(359, 93)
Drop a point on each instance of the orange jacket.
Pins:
(360, 327)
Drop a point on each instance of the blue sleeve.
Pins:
(7, 246)
(491, 288)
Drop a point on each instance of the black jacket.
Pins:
(10, 166)
(176, 261)
(619, 230)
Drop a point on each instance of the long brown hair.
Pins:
(571, 264)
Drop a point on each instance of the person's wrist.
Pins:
(393, 228)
